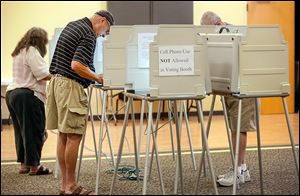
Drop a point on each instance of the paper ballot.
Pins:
(144, 40)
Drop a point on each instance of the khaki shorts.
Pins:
(66, 106)
(248, 119)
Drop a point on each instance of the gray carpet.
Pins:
(279, 176)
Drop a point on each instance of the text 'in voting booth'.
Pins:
(176, 60)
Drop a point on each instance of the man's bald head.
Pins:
(210, 18)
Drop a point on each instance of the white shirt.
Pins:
(29, 68)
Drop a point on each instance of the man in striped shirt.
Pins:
(67, 104)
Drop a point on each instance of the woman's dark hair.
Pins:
(36, 37)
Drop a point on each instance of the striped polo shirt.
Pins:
(76, 43)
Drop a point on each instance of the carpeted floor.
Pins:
(279, 175)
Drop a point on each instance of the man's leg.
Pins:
(61, 151)
(71, 153)
(227, 179)
(242, 147)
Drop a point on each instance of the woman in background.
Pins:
(25, 98)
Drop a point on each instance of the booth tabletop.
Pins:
(146, 96)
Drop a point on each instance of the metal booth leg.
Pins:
(177, 159)
(149, 131)
(89, 93)
(107, 127)
(291, 134)
(120, 149)
(155, 149)
(207, 133)
(189, 135)
(183, 109)
(259, 144)
(109, 141)
(157, 156)
(237, 145)
(103, 115)
(134, 139)
(141, 128)
(227, 130)
(155, 134)
(206, 148)
(178, 145)
(171, 128)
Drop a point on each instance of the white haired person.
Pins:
(247, 121)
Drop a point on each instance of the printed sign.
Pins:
(176, 60)
(144, 40)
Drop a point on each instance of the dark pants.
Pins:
(28, 116)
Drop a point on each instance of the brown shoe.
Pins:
(79, 190)
(24, 170)
(42, 170)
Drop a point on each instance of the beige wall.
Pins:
(17, 17)
(233, 12)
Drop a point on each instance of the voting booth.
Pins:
(126, 56)
(249, 60)
(138, 56)
(178, 62)
(114, 56)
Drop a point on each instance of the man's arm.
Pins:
(85, 72)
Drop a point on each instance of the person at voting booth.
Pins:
(248, 122)
(67, 104)
(25, 98)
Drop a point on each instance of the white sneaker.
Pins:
(227, 179)
(226, 174)
(246, 175)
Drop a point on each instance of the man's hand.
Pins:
(99, 78)
(85, 72)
